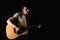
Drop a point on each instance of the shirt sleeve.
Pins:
(16, 14)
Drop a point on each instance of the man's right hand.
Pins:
(17, 28)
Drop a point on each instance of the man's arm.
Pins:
(9, 21)
(12, 18)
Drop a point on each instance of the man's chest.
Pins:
(22, 19)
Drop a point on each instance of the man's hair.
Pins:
(21, 7)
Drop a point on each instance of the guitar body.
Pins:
(10, 31)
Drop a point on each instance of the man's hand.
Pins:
(39, 26)
(17, 28)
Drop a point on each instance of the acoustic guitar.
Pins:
(11, 33)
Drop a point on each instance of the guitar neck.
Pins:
(33, 26)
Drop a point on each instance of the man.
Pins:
(21, 18)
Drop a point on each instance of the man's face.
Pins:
(25, 10)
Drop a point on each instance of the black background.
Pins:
(38, 15)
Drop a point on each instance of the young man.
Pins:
(21, 18)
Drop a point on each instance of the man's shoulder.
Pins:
(17, 13)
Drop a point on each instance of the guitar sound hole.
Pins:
(21, 30)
